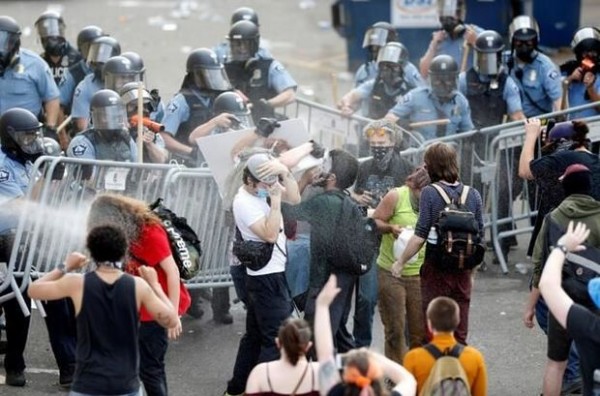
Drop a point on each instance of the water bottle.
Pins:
(432, 237)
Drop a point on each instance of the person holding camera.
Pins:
(257, 214)
(582, 83)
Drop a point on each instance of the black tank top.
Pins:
(107, 337)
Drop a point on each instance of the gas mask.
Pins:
(9, 45)
(525, 51)
(452, 25)
(54, 46)
(392, 75)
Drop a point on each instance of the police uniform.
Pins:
(578, 96)
(377, 99)
(488, 106)
(539, 83)
(72, 77)
(455, 47)
(83, 96)
(421, 104)
(59, 69)
(87, 146)
(187, 110)
(14, 179)
(368, 71)
(27, 84)
(222, 51)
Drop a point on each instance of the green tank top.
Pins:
(403, 216)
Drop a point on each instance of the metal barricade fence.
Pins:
(194, 194)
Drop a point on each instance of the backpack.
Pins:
(447, 376)
(356, 241)
(185, 245)
(459, 244)
(579, 267)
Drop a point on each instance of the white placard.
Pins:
(116, 179)
(414, 14)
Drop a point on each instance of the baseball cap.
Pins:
(562, 130)
(594, 291)
(574, 168)
(255, 162)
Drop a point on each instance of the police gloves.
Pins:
(50, 131)
(318, 151)
(266, 126)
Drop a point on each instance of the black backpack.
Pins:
(459, 244)
(185, 245)
(579, 268)
(356, 240)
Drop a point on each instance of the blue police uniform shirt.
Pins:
(14, 179)
(178, 111)
(81, 147)
(577, 97)
(420, 104)
(159, 113)
(222, 51)
(541, 80)
(455, 48)
(83, 96)
(511, 93)
(368, 71)
(28, 84)
(67, 86)
(364, 92)
(279, 78)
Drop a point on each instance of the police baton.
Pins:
(334, 87)
(419, 124)
(140, 125)
(64, 124)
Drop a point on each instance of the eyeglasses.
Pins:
(377, 132)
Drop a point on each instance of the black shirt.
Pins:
(379, 181)
(584, 327)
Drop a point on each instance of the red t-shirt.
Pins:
(152, 247)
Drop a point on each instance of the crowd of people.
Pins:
(110, 327)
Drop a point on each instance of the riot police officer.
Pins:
(109, 138)
(137, 61)
(582, 80)
(263, 80)
(192, 105)
(118, 71)
(223, 50)
(535, 74)
(381, 94)
(58, 53)
(455, 37)
(79, 70)
(492, 94)
(439, 101)
(21, 143)
(101, 50)
(25, 79)
(375, 38)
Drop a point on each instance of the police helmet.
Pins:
(586, 43)
(206, 70)
(136, 61)
(129, 95)
(10, 41)
(524, 28)
(379, 34)
(108, 111)
(21, 133)
(393, 52)
(85, 38)
(443, 75)
(118, 71)
(51, 29)
(233, 103)
(244, 14)
(452, 8)
(102, 49)
(488, 53)
(244, 39)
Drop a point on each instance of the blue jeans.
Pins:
(137, 393)
(572, 372)
(366, 300)
(298, 262)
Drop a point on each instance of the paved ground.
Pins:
(298, 34)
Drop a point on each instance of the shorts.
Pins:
(559, 342)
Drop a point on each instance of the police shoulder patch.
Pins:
(79, 150)
(172, 108)
(279, 67)
(4, 175)
(77, 91)
(553, 74)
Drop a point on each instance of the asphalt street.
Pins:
(298, 33)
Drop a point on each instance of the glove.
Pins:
(266, 126)
(262, 108)
(155, 99)
(50, 131)
(318, 151)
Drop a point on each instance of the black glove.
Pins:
(155, 99)
(262, 108)
(266, 126)
(318, 151)
(50, 131)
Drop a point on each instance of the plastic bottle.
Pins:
(432, 237)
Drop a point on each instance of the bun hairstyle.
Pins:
(294, 336)
(362, 375)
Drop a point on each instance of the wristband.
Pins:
(562, 248)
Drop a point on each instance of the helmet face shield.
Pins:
(393, 54)
(215, 79)
(30, 142)
(243, 49)
(8, 41)
(100, 53)
(443, 85)
(375, 36)
(487, 63)
(115, 81)
(50, 27)
(109, 117)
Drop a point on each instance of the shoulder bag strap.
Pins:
(433, 350)
(464, 194)
(456, 350)
(442, 193)
(300, 380)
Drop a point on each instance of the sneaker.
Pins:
(196, 311)
(15, 378)
(574, 386)
(225, 318)
(65, 378)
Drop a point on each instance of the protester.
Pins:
(293, 374)
(363, 370)
(400, 297)
(106, 303)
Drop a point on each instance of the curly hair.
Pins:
(128, 213)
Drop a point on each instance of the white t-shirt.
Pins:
(247, 210)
